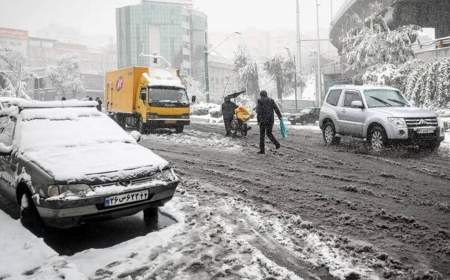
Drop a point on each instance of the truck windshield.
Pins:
(385, 98)
(168, 95)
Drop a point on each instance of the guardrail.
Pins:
(432, 45)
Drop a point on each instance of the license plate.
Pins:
(425, 130)
(126, 198)
(171, 122)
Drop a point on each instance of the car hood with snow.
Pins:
(404, 112)
(81, 144)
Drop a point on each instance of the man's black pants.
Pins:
(227, 123)
(266, 128)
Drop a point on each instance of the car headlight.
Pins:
(398, 122)
(76, 189)
(166, 175)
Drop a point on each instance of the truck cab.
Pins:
(147, 98)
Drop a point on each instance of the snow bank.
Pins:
(24, 256)
(197, 138)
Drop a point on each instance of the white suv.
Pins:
(379, 114)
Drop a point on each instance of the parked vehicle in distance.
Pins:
(306, 116)
(381, 115)
(147, 98)
(65, 163)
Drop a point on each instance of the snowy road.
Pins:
(398, 204)
(303, 212)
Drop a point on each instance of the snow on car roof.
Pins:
(362, 87)
(24, 104)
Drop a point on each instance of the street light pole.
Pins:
(295, 77)
(207, 51)
(299, 50)
(319, 74)
(206, 68)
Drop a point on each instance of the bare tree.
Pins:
(66, 76)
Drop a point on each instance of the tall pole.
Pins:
(295, 85)
(299, 51)
(319, 74)
(331, 11)
(206, 68)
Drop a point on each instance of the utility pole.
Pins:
(295, 77)
(298, 66)
(331, 11)
(319, 74)
(206, 68)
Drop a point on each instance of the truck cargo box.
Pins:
(121, 87)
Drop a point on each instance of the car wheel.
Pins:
(377, 139)
(179, 129)
(329, 134)
(151, 216)
(29, 216)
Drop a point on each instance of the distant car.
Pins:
(306, 116)
(66, 163)
(379, 114)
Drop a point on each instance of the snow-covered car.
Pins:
(65, 164)
(307, 115)
(379, 114)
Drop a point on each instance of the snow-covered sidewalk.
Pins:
(24, 256)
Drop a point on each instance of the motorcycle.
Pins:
(241, 117)
(239, 123)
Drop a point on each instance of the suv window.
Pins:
(6, 130)
(351, 96)
(333, 97)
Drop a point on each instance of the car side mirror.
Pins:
(143, 96)
(357, 104)
(136, 135)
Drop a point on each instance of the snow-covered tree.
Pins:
(66, 76)
(429, 83)
(13, 74)
(282, 71)
(371, 43)
(247, 70)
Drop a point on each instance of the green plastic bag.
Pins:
(283, 129)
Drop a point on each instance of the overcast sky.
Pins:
(98, 16)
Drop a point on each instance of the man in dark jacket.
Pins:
(265, 110)
(228, 108)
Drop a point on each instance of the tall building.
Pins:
(170, 28)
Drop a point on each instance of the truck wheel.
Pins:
(141, 127)
(179, 129)
(29, 216)
(151, 216)
(329, 134)
(377, 139)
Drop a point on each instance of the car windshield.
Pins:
(385, 98)
(67, 127)
(168, 95)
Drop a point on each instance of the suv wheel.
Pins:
(329, 134)
(29, 216)
(377, 139)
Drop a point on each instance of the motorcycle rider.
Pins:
(228, 108)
